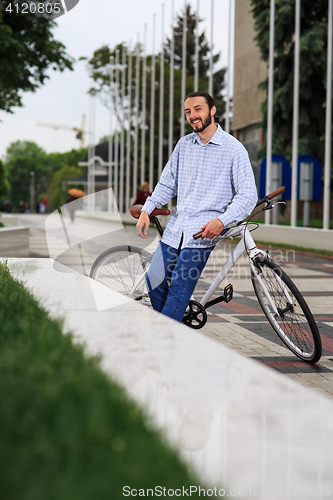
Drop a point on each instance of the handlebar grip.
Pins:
(276, 193)
(197, 235)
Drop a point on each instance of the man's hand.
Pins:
(212, 229)
(143, 225)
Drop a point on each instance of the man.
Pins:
(210, 173)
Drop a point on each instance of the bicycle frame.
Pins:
(246, 243)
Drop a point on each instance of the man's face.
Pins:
(198, 114)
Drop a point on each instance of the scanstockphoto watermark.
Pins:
(163, 491)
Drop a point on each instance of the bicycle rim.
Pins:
(292, 319)
(121, 268)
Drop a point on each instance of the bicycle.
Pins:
(123, 268)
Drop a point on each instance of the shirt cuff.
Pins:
(225, 220)
(148, 207)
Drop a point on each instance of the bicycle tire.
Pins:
(120, 268)
(294, 324)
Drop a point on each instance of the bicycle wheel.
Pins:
(292, 319)
(123, 269)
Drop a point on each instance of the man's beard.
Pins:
(204, 124)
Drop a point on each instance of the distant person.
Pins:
(71, 207)
(142, 194)
(21, 208)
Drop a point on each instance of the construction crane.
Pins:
(80, 132)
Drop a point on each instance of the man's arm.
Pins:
(164, 191)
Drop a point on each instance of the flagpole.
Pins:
(128, 138)
(152, 111)
(196, 67)
(210, 88)
(227, 111)
(293, 220)
(327, 175)
(160, 141)
(270, 108)
(182, 121)
(136, 126)
(143, 129)
(171, 88)
(110, 198)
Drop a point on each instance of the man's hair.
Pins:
(208, 98)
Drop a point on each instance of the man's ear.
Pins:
(213, 111)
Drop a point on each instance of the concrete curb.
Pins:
(242, 426)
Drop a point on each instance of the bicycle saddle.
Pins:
(136, 209)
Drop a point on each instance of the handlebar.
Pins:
(266, 199)
(272, 195)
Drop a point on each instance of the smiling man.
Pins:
(210, 173)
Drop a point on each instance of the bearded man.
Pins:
(210, 173)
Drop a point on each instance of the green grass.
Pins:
(66, 431)
(313, 251)
(313, 223)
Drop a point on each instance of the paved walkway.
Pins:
(240, 324)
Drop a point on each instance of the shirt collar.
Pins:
(217, 137)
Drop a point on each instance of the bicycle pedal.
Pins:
(225, 297)
(228, 293)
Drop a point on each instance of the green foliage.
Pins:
(66, 431)
(58, 193)
(313, 60)
(27, 51)
(23, 157)
(4, 184)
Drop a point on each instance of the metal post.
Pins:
(327, 175)
(116, 156)
(161, 110)
(270, 108)
(196, 64)
(32, 191)
(122, 136)
(136, 129)
(210, 89)
(171, 88)
(227, 111)
(143, 127)
(152, 111)
(182, 120)
(293, 220)
(110, 169)
(128, 138)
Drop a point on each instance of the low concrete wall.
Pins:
(8, 220)
(14, 241)
(319, 239)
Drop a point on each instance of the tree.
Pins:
(27, 50)
(4, 184)
(204, 55)
(23, 157)
(60, 195)
(313, 60)
(99, 67)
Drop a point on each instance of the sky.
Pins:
(85, 28)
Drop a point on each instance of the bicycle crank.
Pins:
(195, 315)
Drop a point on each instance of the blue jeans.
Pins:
(172, 277)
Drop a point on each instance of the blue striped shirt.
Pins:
(210, 180)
